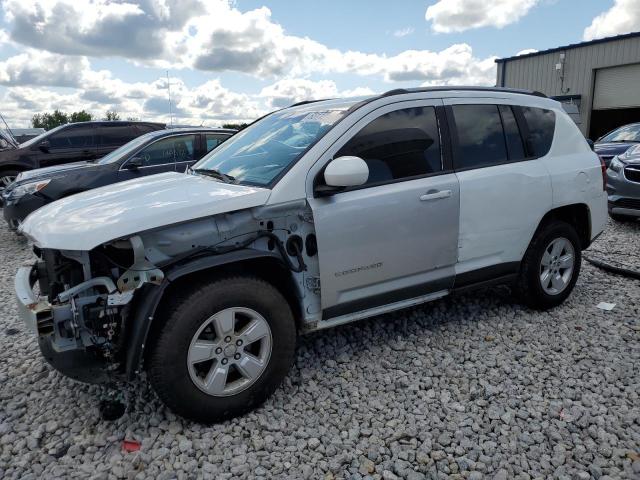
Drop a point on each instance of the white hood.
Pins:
(89, 219)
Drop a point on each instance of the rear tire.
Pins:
(550, 267)
(204, 362)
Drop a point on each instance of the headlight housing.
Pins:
(616, 165)
(28, 188)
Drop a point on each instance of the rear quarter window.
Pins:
(541, 124)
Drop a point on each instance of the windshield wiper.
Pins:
(217, 174)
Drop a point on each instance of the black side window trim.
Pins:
(445, 157)
(522, 126)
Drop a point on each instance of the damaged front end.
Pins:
(92, 310)
(71, 301)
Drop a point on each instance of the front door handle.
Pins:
(435, 195)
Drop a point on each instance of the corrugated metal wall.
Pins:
(539, 72)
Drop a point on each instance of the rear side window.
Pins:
(480, 138)
(142, 128)
(400, 144)
(541, 124)
(515, 148)
(116, 135)
(79, 137)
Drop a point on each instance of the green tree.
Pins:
(81, 116)
(235, 126)
(48, 120)
(133, 119)
(112, 115)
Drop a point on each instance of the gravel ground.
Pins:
(467, 387)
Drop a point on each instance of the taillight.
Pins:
(603, 168)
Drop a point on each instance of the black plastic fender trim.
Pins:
(148, 297)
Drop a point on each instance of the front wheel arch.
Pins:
(142, 324)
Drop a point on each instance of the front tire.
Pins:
(550, 267)
(222, 349)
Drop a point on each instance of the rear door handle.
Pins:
(431, 195)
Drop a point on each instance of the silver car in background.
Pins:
(623, 185)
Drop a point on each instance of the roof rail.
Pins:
(305, 102)
(401, 91)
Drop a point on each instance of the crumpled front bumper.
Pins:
(29, 305)
(80, 364)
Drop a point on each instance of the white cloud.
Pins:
(209, 35)
(526, 51)
(35, 67)
(291, 90)
(454, 65)
(459, 15)
(403, 32)
(622, 17)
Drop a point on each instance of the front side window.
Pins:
(168, 150)
(213, 141)
(400, 144)
(261, 152)
(480, 138)
(81, 137)
(541, 124)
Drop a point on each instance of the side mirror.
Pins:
(135, 163)
(346, 172)
(591, 144)
(3, 143)
(44, 146)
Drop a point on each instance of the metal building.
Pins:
(599, 81)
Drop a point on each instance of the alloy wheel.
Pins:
(556, 266)
(229, 352)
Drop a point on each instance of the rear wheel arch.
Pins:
(577, 215)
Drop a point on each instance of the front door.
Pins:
(161, 156)
(396, 237)
(72, 144)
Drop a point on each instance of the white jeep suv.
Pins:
(314, 216)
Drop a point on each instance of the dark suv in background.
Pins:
(69, 143)
(170, 150)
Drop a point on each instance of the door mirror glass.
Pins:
(135, 163)
(346, 172)
(44, 145)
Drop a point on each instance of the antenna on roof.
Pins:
(169, 90)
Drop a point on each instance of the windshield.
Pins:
(126, 149)
(41, 137)
(628, 133)
(259, 153)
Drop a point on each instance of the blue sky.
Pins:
(234, 60)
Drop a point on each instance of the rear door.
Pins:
(504, 189)
(114, 135)
(395, 238)
(72, 144)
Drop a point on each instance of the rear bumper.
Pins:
(36, 313)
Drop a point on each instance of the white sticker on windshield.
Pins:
(326, 117)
